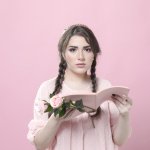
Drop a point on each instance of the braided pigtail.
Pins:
(59, 79)
(93, 75)
(94, 83)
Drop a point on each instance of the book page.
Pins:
(106, 94)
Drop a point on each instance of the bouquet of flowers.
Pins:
(59, 106)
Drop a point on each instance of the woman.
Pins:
(78, 50)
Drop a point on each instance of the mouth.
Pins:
(80, 65)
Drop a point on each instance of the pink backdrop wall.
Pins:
(29, 33)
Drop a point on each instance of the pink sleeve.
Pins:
(40, 118)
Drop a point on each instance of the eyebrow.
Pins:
(83, 46)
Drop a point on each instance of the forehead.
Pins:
(77, 41)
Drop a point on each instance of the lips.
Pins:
(80, 65)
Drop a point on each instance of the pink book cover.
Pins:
(94, 100)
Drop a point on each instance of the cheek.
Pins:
(69, 58)
(90, 58)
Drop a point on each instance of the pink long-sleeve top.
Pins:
(77, 133)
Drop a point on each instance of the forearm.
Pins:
(122, 129)
(46, 135)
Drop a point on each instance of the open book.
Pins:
(94, 100)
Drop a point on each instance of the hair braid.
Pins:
(60, 77)
(94, 83)
(93, 75)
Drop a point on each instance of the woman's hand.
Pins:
(123, 103)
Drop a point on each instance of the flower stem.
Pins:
(89, 108)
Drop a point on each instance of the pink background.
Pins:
(29, 33)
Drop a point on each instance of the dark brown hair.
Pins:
(84, 31)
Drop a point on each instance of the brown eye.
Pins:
(72, 49)
(88, 49)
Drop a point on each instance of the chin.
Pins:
(81, 71)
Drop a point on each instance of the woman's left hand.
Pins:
(123, 103)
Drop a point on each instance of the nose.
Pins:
(80, 55)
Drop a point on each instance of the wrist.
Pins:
(125, 114)
(56, 119)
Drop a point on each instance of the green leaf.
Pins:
(49, 109)
(79, 104)
(63, 105)
(56, 111)
(51, 95)
(67, 104)
(62, 112)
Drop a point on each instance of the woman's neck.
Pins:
(75, 80)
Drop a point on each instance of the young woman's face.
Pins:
(78, 55)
